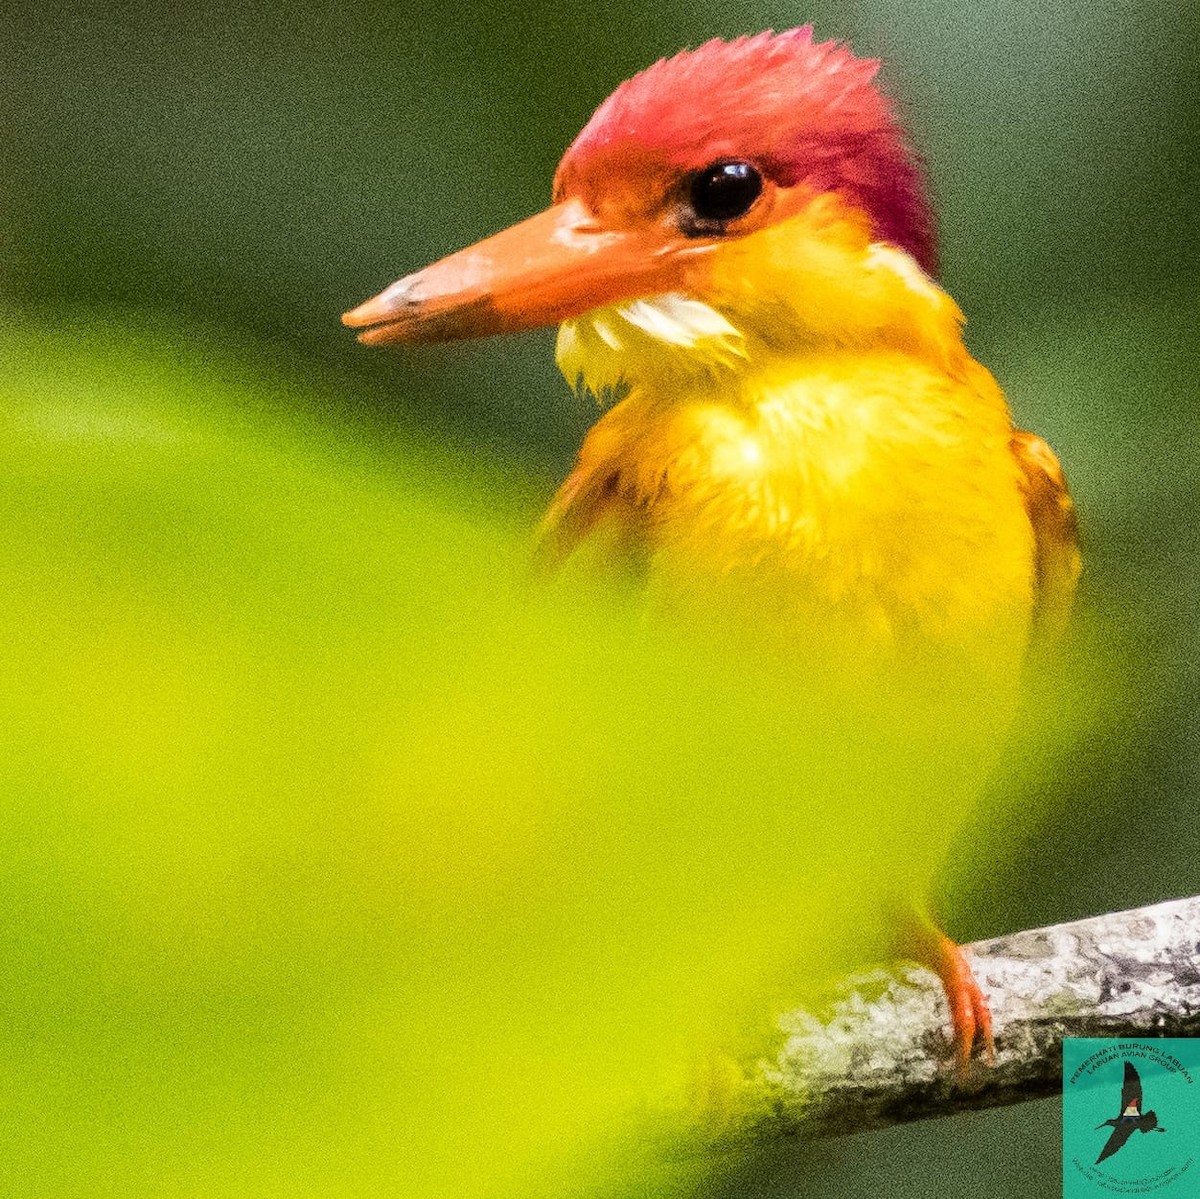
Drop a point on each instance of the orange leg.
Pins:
(970, 1017)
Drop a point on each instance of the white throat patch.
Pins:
(652, 337)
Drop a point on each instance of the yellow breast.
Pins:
(871, 492)
(821, 453)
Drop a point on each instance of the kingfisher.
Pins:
(740, 257)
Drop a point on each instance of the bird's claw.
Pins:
(970, 1016)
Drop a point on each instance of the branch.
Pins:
(882, 1056)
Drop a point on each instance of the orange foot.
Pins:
(970, 1017)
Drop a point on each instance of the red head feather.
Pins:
(806, 113)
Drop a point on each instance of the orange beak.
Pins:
(547, 269)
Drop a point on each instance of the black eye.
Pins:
(725, 191)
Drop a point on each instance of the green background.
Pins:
(189, 200)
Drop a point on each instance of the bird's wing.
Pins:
(598, 503)
(1052, 515)
(591, 505)
(1120, 1135)
(1131, 1090)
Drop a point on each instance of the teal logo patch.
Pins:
(1131, 1117)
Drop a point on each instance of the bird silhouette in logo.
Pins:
(1131, 1117)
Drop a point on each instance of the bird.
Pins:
(1131, 1118)
(741, 259)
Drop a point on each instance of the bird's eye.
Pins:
(724, 191)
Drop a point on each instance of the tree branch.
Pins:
(882, 1054)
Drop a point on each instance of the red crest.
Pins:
(805, 112)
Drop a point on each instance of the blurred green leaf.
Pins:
(340, 860)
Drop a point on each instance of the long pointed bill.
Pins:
(553, 266)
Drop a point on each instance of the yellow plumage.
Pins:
(813, 441)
